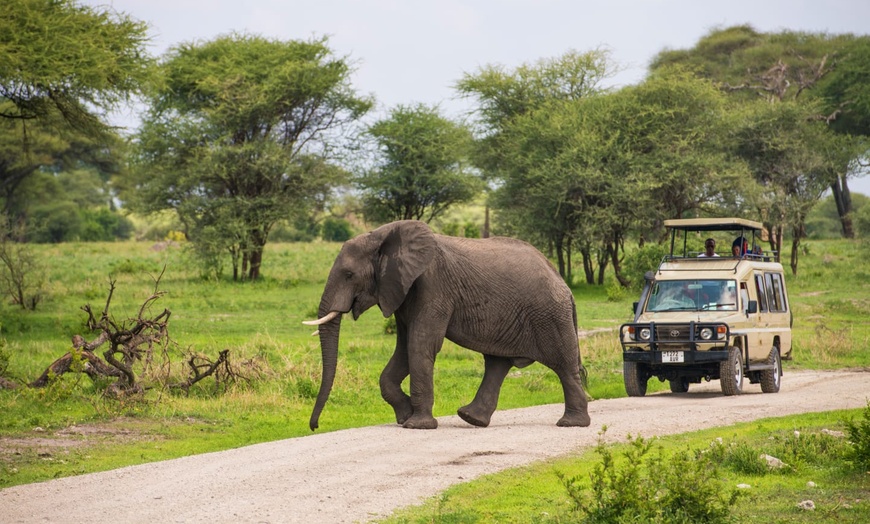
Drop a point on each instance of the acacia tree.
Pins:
(527, 206)
(238, 137)
(826, 73)
(59, 57)
(421, 166)
(63, 67)
(793, 157)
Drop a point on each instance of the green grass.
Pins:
(260, 323)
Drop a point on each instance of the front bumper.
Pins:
(647, 341)
(653, 357)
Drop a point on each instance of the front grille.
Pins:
(675, 336)
(673, 333)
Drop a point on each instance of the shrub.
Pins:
(651, 487)
(641, 260)
(336, 230)
(858, 433)
(390, 325)
(471, 230)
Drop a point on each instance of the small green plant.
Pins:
(644, 486)
(740, 457)
(615, 292)
(4, 357)
(858, 434)
(390, 325)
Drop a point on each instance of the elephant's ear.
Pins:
(407, 249)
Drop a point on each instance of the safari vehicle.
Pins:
(724, 316)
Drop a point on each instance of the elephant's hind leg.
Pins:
(576, 401)
(480, 410)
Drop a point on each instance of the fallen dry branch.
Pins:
(202, 367)
(130, 351)
(129, 343)
(76, 360)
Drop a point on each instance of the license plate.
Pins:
(672, 356)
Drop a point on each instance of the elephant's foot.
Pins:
(421, 422)
(474, 417)
(577, 419)
(403, 412)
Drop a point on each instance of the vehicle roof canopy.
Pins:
(712, 224)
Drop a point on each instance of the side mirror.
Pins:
(753, 307)
(634, 307)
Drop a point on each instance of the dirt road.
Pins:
(362, 474)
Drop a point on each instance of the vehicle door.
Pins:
(760, 331)
(778, 315)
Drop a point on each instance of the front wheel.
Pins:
(731, 372)
(772, 378)
(635, 377)
(680, 385)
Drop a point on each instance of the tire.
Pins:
(772, 378)
(731, 372)
(635, 378)
(680, 385)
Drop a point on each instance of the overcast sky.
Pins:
(410, 51)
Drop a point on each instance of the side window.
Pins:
(775, 292)
(760, 291)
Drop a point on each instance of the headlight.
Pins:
(644, 333)
(706, 333)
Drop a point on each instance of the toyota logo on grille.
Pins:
(675, 333)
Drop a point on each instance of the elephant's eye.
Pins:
(348, 275)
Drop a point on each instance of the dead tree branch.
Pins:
(202, 367)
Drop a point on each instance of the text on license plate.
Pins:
(672, 356)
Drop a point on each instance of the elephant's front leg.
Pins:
(480, 410)
(421, 358)
(394, 374)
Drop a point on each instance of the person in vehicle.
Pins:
(709, 248)
(739, 247)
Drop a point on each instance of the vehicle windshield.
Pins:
(693, 295)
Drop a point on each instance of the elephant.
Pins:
(498, 296)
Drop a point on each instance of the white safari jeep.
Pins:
(701, 317)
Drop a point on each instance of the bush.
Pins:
(104, 225)
(858, 433)
(336, 230)
(452, 229)
(471, 230)
(641, 260)
(646, 487)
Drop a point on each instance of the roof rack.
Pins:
(748, 229)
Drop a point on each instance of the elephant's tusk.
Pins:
(329, 316)
(317, 332)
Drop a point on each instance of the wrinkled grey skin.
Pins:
(497, 296)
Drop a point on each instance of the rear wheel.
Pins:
(680, 385)
(635, 377)
(771, 378)
(731, 372)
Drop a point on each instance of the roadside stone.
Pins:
(743, 486)
(833, 433)
(807, 505)
(772, 462)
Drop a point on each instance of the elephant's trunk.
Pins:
(329, 332)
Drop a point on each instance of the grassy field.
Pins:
(260, 323)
